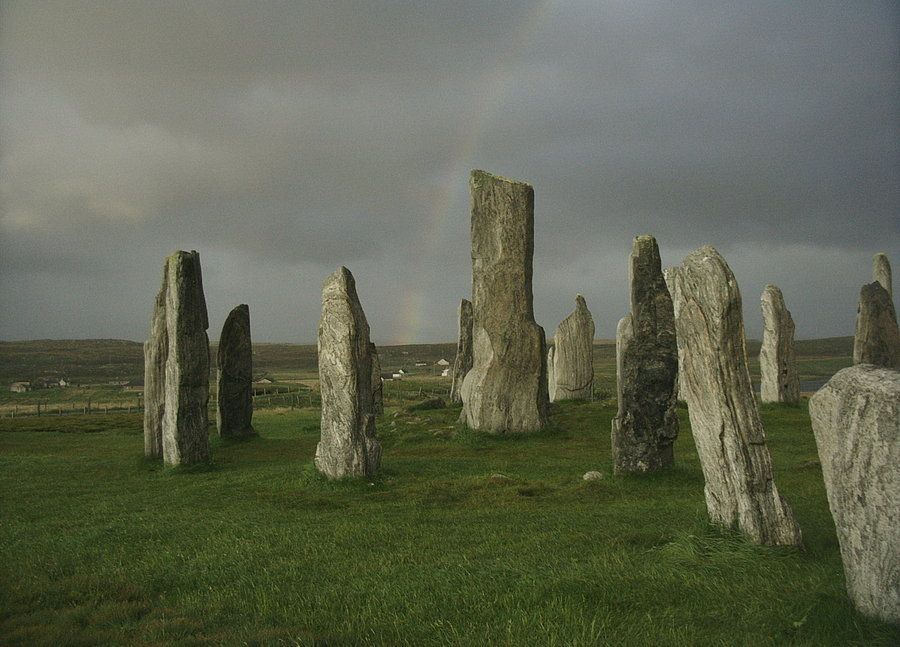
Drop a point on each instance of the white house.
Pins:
(443, 362)
(20, 387)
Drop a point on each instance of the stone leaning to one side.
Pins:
(731, 442)
(779, 380)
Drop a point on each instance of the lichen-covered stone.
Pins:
(877, 339)
(506, 389)
(156, 352)
(731, 443)
(463, 362)
(377, 383)
(646, 424)
(856, 420)
(881, 273)
(551, 373)
(573, 359)
(348, 446)
(186, 420)
(234, 364)
(669, 276)
(779, 380)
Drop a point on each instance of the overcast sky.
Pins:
(283, 139)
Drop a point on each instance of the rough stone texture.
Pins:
(348, 446)
(727, 429)
(377, 383)
(186, 421)
(646, 424)
(234, 364)
(156, 351)
(777, 366)
(881, 272)
(669, 276)
(506, 389)
(877, 338)
(593, 475)
(573, 359)
(551, 373)
(463, 362)
(856, 421)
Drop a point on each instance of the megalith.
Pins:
(877, 339)
(731, 442)
(573, 359)
(377, 383)
(646, 424)
(881, 272)
(506, 389)
(348, 446)
(234, 382)
(156, 352)
(185, 437)
(779, 380)
(669, 276)
(463, 362)
(551, 375)
(856, 420)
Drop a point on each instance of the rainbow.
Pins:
(496, 84)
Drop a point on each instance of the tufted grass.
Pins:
(99, 545)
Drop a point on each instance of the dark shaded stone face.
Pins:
(234, 361)
(877, 339)
(463, 362)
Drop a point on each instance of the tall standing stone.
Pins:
(779, 380)
(856, 421)
(234, 363)
(740, 489)
(348, 446)
(506, 389)
(156, 352)
(877, 339)
(881, 272)
(646, 425)
(463, 362)
(377, 383)
(186, 421)
(669, 276)
(551, 373)
(573, 360)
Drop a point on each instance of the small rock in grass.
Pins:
(593, 475)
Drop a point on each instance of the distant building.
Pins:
(443, 362)
(445, 372)
(421, 363)
(264, 380)
(20, 387)
(387, 376)
(63, 382)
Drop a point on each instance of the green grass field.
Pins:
(100, 545)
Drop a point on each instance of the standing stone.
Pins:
(573, 360)
(646, 425)
(856, 421)
(186, 423)
(506, 389)
(348, 445)
(234, 361)
(669, 276)
(377, 383)
(881, 272)
(740, 489)
(777, 366)
(877, 339)
(551, 373)
(156, 351)
(463, 362)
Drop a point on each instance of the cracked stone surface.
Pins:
(877, 339)
(856, 420)
(779, 380)
(348, 446)
(463, 362)
(573, 358)
(156, 352)
(881, 273)
(728, 432)
(506, 389)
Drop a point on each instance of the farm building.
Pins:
(264, 380)
(20, 387)
(442, 362)
(445, 372)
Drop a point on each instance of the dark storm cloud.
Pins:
(283, 139)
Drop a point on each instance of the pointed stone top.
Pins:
(645, 251)
(340, 282)
(465, 303)
(479, 177)
(580, 303)
(186, 268)
(772, 292)
(881, 271)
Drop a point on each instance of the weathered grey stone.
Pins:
(779, 381)
(731, 443)
(593, 475)
(377, 382)
(856, 421)
(877, 339)
(463, 362)
(669, 276)
(551, 373)
(573, 359)
(234, 383)
(646, 424)
(156, 352)
(348, 446)
(506, 389)
(881, 272)
(186, 422)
